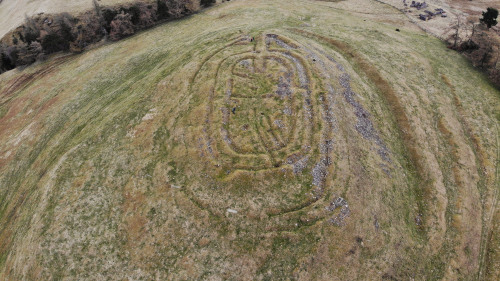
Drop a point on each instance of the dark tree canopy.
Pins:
(45, 34)
(490, 17)
(206, 3)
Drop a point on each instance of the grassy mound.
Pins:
(255, 140)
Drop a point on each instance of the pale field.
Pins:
(215, 147)
(13, 12)
(462, 12)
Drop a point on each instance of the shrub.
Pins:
(88, 31)
(36, 49)
(192, 6)
(28, 54)
(176, 8)
(5, 63)
(468, 46)
(134, 12)
(58, 35)
(52, 43)
(147, 15)
(11, 53)
(206, 3)
(31, 31)
(486, 54)
(108, 16)
(121, 26)
(162, 9)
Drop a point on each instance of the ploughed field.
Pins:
(255, 140)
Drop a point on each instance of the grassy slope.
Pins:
(92, 148)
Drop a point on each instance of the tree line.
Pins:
(481, 43)
(44, 34)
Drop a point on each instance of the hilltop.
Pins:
(255, 140)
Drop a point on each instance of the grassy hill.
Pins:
(256, 140)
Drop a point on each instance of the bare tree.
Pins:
(456, 34)
(470, 26)
(97, 8)
(100, 17)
